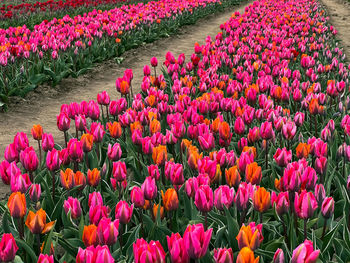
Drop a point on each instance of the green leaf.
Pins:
(22, 244)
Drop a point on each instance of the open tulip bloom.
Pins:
(237, 153)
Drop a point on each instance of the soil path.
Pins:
(339, 13)
(42, 106)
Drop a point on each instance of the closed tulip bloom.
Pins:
(305, 204)
(11, 154)
(53, 161)
(281, 202)
(157, 209)
(266, 131)
(29, 159)
(72, 205)
(177, 251)
(233, 178)
(93, 177)
(242, 198)
(154, 62)
(239, 126)
(305, 253)
(206, 141)
(20, 183)
(17, 205)
(177, 176)
(87, 142)
(279, 256)
(107, 231)
(21, 141)
(95, 198)
(45, 258)
(321, 165)
(123, 212)
(327, 208)
(250, 236)
(63, 122)
(5, 176)
(80, 122)
(36, 222)
(67, 178)
(35, 192)
(137, 197)
(245, 159)
(79, 179)
(114, 152)
(246, 255)
(223, 255)
(85, 255)
(96, 213)
(170, 200)
(37, 132)
(159, 155)
(308, 179)
(75, 150)
(64, 157)
(151, 252)
(149, 188)
(8, 248)
(90, 237)
(302, 150)
(288, 130)
(102, 254)
(153, 171)
(191, 187)
(283, 157)
(196, 240)
(253, 173)
(119, 171)
(204, 198)
(154, 126)
(253, 135)
(223, 197)
(103, 98)
(224, 131)
(320, 194)
(261, 200)
(115, 129)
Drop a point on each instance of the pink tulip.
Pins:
(85, 255)
(64, 156)
(223, 197)
(47, 142)
(279, 256)
(103, 98)
(206, 141)
(45, 258)
(327, 208)
(20, 183)
(196, 240)
(239, 126)
(137, 197)
(223, 255)
(35, 192)
(149, 188)
(305, 204)
(5, 176)
(95, 198)
(204, 198)
(8, 248)
(29, 159)
(53, 161)
(305, 253)
(321, 165)
(80, 122)
(177, 176)
(96, 213)
(153, 171)
(151, 252)
(281, 202)
(72, 205)
(103, 255)
(75, 150)
(107, 231)
(154, 62)
(308, 179)
(177, 251)
(11, 154)
(97, 131)
(21, 141)
(63, 122)
(191, 187)
(320, 194)
(119, 171)
(283, 157)
(242, 197)
(123, 212)
(245, 159)
(288, 130)
(266, 131)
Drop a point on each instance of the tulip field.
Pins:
(237, 153)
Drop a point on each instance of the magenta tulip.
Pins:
(123, 212)
(8, 248)
(196, 240)
(305, 253)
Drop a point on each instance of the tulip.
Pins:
(223, 197)
(96, 213)
(279, 256)
(196, 240)
(302, 150)
(177, 251)
(153, 171)
(177, 176)
(95, 199)
(47, 142)
(90, 237)
(151, 252)
(154, 62)
(305, 204)
(114, 152)
(261, 200)
(327, 207)
(107, 231)
(223, 255)
(63, 122)
(115, 129)
(250, 236)
(72, 205)
(93, 177)
(64, 157)
(37, 132)
(321, 165)
(8, 248)
(305, 253)
(29, 159)
(266, 131)
(206, 141)
(191, 186)
(45, 258)
(282, 157)
(5, 176)
(155, 210)
(170, 200)
(11, 154)
(246, 255)
(281, 202)
(79, 179)
(159, 155)
(149, 188)
(36, 222)
(308, 179)
(320, 194)
(137, 197)
(204, 198)
(17, 205)
(288, 130)
(239, 126)
(242, 198)
(253, 173)
(102, 254)
(53, 161)
(35, 192)
(123, 212)
(233, 177)
(67, 178)
(75, 150)
(21, 141)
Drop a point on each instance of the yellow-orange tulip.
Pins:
(17, 205)
(247, 238)
(253, 173)
(160, 155)
(36, 222)
(302, 150)
(261, 200)
(170, 200)
(246, 255)
(233, 178)
(90, 235)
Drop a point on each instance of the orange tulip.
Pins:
(124, 87)
(247, 238)
(154, 126)
(217, 176)
(250, 149)
(185, 144)
(37, 132)
(253, 173)
(159, 155)
(224, 131)
(216, 125)
(170, 200)
(80, 179)
(302, 150)
(67, 178)
(90, 235)
(155, 211)
(115, 129)
(261, 200)
(233, 178)
(17, 205)
(313, 106)
(87, 141)
(246, 255)
(136, 126)
(93, 177)
(36, 222)
(146, 205)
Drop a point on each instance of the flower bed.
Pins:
(70, 46)
(239, 154)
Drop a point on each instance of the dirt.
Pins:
(42, 105)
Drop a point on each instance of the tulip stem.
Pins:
(243, 214)
(107, 113)
(205, 221)
(38, 242)
(121, 237)
(39, 146)
(77, 133)
(324, 228)
(21, 227)
(315, 122)
(53, 185)
(261, 218)
(305, 228)
(284, 229)
(65, 138)
(267, 154)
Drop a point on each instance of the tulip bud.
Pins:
(72, 205)
(250, 236)
(8, 248)
(279, 256)
(177, 249)
(223, 255)
(137, 197)
(327, 207)
(305, 253)
(45, 259)
(107, 231)
(123, 212)
(305, 204)
(119, 171)
(149, 188)
(53, 161)
(35, 192)
(170, 200)
(204, 198)
(223, 197)
(17, 205)
(93, 177)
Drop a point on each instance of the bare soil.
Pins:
(42, 105)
